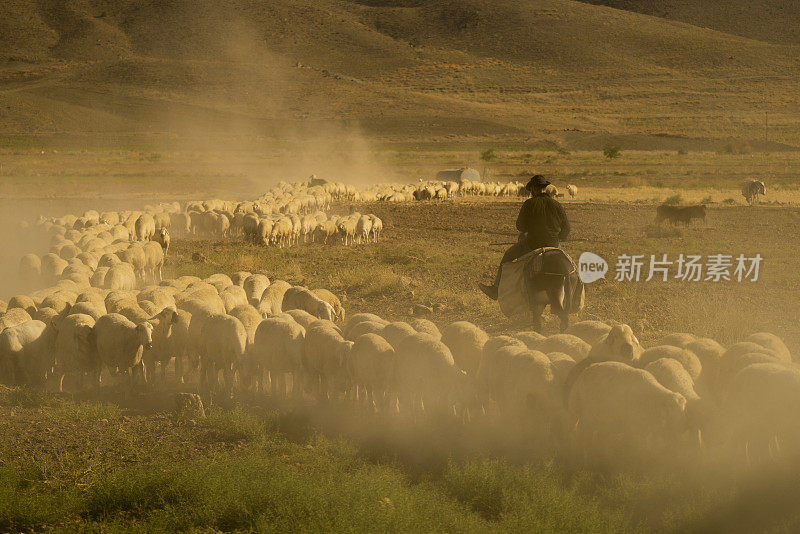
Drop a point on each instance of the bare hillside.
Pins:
(775, 21)
(409, 70)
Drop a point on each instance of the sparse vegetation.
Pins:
(489, 155)
(612, 151)
(673, 200)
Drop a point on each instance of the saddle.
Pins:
(514, 295)
(535, 261)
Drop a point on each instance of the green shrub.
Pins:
(673, 200)
(612, 152)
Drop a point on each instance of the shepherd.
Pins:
(542, 222)
(536, 272)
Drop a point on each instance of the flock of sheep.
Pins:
(287, 215)
(443, 190)
(106, 312)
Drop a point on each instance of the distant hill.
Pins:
(413, 69)
(775, 21)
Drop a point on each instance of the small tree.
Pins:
(611, 151)
(488, 155)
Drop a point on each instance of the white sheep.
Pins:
(465, 341)
(154, 260)
(426, 326)
(75, 349)
(592, 332)
(26, 353)
(254, 286)
(572, 190)
(773, 343)
(619, 345)
(120, 344)
(685, 357)
(427, 378)
(371, 364)
(761, 407)
(224, 339)
(325, 355)
(333, 300)
(300, 298)
(396, 332)
(577, 348)
(271, 302)
(612, 400)
(278, 349)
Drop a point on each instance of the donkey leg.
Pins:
(537, 310)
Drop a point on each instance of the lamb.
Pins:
(301, 298)
(239, 277)
(465, 341)
(685, 357)
(371, 364)
(224, 341)
(426, 377)
(278, 349)
(612, 399)
(75, 348)
(592, 332)
(325, 355)
(220, 281)
(377, 228)
(120, 344)
(162, 238)
(530, 338)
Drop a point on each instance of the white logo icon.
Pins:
(591, 267)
